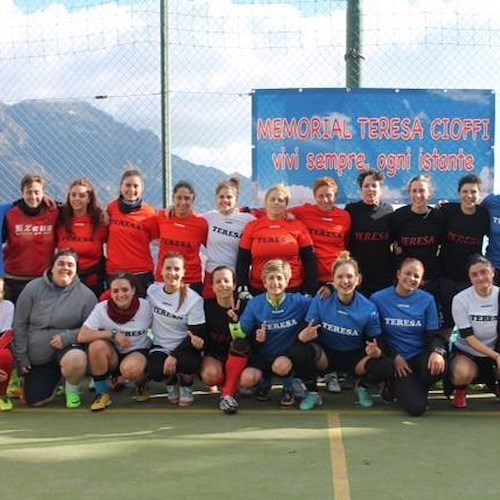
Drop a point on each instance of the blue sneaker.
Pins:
(310, 401)
(364, 396)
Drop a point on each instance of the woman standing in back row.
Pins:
(82, 226)
(132, 227)
(370, 239)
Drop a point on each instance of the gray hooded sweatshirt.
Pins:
(44, 310)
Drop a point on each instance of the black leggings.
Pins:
(412, 391)
(188, 363)
(304, 357)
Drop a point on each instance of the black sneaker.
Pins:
(263, 390)
(387, 393)
(228, 404)
(287, 398)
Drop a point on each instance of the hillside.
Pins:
(68, 140)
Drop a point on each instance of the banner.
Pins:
(299, 135)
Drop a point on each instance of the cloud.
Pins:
(220, 50)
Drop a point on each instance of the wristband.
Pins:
(440, 350)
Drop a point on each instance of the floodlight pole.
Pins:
(353, 55)
(166, 157)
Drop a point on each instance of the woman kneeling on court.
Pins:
(410, 327)
(49, 313)
(342, 335)
(117, 334)
(272, 321)
(226, 349)
(179, 332)
(475, 312)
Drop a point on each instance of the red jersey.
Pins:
(129, 236)
(275, 239)
(83, 241)
(185, 237)
(30, 242)
(329, 232)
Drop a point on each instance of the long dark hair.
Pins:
(94, 210)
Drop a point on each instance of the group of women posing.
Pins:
(276, 254)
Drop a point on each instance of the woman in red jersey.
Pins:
(29, 236)
(328, 225)
(132, 227)
(82, 226)
(183, 232)
(274, 237)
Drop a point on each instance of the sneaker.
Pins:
(173, 394)
(263, 390)
(101, 402)
(14, 388)
(141, 393)
(460, 399)
(311, 400)
(6, 403)
(118, 383)
(299, 389)
(387, 393)
(72, 399)
(228, 404)
(186, 395)
(348, 383)
(287, 398)
(332, 383)
(364, 396)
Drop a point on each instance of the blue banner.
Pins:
(299, 135)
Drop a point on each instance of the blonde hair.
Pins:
(422, 178)
(282, 189)
(344, 257)
(277, 266)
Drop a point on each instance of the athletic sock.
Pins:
(234, 368)
(71, 387)
(101, 384)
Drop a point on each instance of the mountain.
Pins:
(69, 140)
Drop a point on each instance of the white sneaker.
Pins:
(173, 394)
(332, 383)
(185, 395)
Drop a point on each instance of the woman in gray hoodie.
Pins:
(48, 316)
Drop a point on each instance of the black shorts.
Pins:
(486, 366)
(217, 351)
(343, 361)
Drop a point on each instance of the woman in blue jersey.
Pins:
(342, 335)
(412, 335)
(475, 356)
(272, 321)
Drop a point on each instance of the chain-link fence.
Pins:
(81, 82)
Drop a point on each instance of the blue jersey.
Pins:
(492, 204)
(345, 327)
(283, 323)
(406, 319)
(4, 208)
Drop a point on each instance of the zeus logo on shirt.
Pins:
(402, 322)
(31, 229)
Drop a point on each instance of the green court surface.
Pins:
(153, 450)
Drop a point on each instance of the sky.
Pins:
(221, 49)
